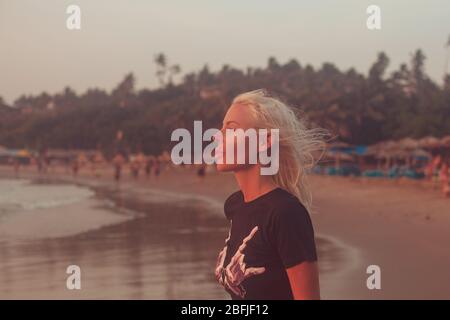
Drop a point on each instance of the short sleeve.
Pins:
(292, 234)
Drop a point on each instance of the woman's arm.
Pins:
(304, 280)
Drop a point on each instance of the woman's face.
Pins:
(237, 117)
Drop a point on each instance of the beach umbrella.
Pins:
(383, 154)
(429, 142)
(445, 141)
(337, 154)
(341, 147)
(383, 149)
(399, 154)
(386, 154)
(408, 143)
(420, 153)
(376, 148)
(372, 150)
(392, 151)
(390, 145)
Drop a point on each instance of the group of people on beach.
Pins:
(437, 170)
(136, 163)
(96, 163)
(151, 165)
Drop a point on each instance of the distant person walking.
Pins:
(75, 166)
(97, 163)
(201, 172)
(157, 168)
(121, 155)
(118, 162)
(148, 167)
(16, 165)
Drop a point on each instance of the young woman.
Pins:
(270, 252)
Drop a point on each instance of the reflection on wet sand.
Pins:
(168, 252)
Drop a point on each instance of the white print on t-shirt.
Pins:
(236, 272)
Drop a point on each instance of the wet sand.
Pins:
(167, 251)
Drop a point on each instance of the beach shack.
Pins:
(10, 156)
(343, 159)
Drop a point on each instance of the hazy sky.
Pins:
(38, 53)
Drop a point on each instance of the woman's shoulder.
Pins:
(287, 205)
(232, 203)
(289, 219)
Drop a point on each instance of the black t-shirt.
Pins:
(267, 235)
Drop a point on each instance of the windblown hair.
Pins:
(300, 148)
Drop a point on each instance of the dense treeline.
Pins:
(360, 109)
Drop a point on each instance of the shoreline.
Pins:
(349, 215)
(122, 239)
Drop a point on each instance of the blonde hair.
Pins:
(300, 148)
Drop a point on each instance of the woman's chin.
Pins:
(223, 167)
(230, 167)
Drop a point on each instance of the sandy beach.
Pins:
(158, 238)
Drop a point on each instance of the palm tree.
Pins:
(124, 90)
(447, 45)
(164, 72)
(161, 65)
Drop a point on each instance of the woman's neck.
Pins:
(253, 184)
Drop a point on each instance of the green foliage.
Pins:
(359, 109)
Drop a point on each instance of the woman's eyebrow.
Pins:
(230, 122)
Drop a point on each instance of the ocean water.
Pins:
(168, 251)
(26, 195)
